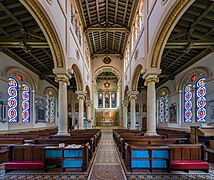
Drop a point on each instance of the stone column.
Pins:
(132, 98)
(88, 109)
(62, 104)
(125, 115)
(151, 105)
(81, 98)
(109, 99)
(33, 107)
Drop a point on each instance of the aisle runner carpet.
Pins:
(107, 164)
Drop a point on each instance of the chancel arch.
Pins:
(107, 96)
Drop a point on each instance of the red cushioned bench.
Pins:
(24, 165)
(187, 165)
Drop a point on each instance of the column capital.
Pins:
(132, 94)
(62, 75)
(151, 79)
(80, 95)
(62, 79)
(125, 103)
(88, 103)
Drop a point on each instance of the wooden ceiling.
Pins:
(191, 40)
(22, 39)
(107, 24)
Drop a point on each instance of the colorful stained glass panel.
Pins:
(188, 103)
(25, 103)
(12, 101)
(201, 100)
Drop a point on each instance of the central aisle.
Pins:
(107, 163)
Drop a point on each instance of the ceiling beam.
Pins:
(107, 11)
(193, 60)
(7, 11)
(175, 61)
(88, 11)
(124, 16)
(115, 16)
(94, 44)
(207, 10)
(98, 13)
(100, 38)
(120, 42)
(113, 43)
(82, 17)
(104, 29)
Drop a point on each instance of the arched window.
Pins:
(50, 104)
(163, 105)
(195, 99)
(18, 100)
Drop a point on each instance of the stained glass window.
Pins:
(52, 109)
(188, 103)
(163, 105)
(50, 105)
(113, 100)
(25, 103)
(195, 99)
(12, 100)
(201, 100)
(107, 99)
(16, 112)
(100, 100)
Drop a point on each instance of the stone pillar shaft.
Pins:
(133, 98)
(81, 111)
(151, 106)
(62, 102)
(125, 114)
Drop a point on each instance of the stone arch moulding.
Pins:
(196, 70)
(107, 68)
(135, 77)
(163, 35)
(78, 77)
(88, 95)
(44, 22)
(6, 73)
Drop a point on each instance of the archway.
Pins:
(78, 77)
(135, 77)
(49, 31)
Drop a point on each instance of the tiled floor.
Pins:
(107, 163)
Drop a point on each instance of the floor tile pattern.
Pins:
(107, 164)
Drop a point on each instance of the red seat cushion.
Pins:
(189, 164)
(24, 165)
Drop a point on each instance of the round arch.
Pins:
(105, 69)
(78, 77)
(196, 70)
(13, 70)
(135, 77)
(44, 22)
(88, 95)
(163, 34)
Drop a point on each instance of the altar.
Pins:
(105, 123)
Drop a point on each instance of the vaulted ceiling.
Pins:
(191, 40)
(22, 39)
(107, 24)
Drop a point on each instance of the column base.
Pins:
(151, 133)
(62, 134)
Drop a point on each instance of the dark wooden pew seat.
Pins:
(187, 165)
(25, 164)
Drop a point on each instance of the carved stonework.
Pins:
(151, 79)
(63, 79)
(50, 2)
